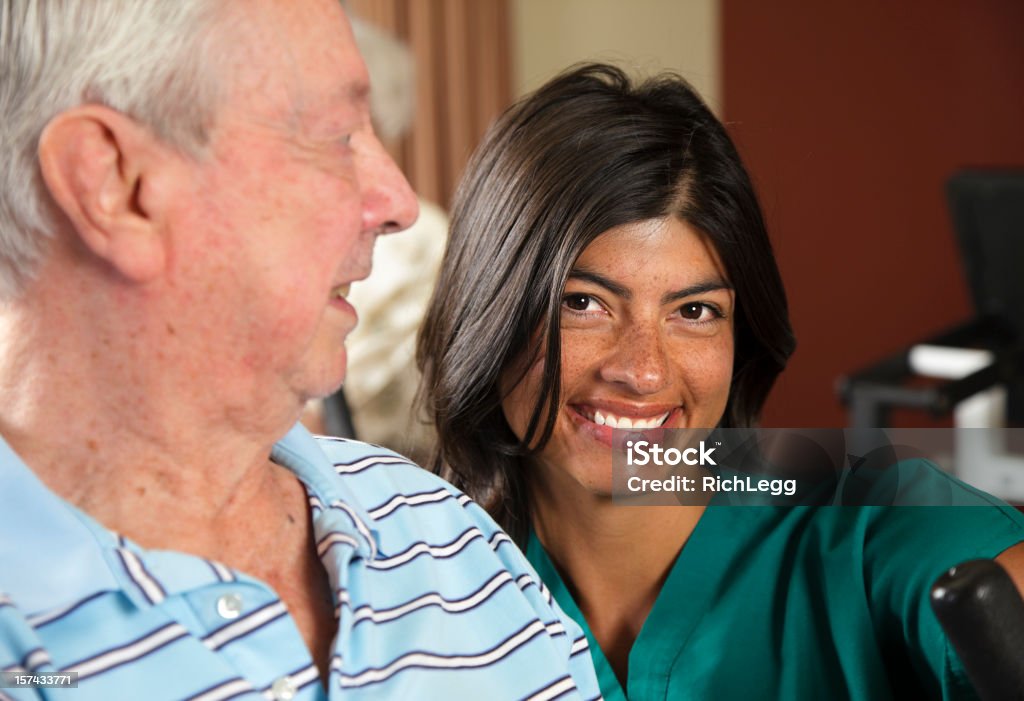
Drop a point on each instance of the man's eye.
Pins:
(577, 302)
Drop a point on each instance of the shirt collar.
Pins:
(50, 555)
(299, 452)
(53, 554)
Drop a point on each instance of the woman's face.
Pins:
(647, 341)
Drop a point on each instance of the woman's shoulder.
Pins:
(920, 507)
(904, 525)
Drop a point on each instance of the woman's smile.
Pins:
(646, 343)
(599, 418)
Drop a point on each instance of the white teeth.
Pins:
(626, 422)
(650, 423)
(341, 291)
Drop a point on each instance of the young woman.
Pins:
(608, 266)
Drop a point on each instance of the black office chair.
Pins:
(988, 217)
(982, 613)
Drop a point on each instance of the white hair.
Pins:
(149, 59)
(392, 78)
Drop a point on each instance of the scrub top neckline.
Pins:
(696, 574)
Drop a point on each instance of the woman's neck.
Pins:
(613, 558)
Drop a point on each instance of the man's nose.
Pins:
(638, 360)
(389, 204)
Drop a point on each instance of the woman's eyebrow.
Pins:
(669, 297)
(601, 281)
(696, 289)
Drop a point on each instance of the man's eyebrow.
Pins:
(624, 292)
(337, 109)
(354, 93)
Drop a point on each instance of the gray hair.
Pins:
(148, 60)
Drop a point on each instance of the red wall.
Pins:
(851, 116)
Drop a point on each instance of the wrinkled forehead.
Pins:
(294, 58)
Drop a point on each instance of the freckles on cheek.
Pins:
(713, 368)
(580, 355)
(572, 368)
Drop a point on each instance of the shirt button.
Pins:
(229, 606)
(283, 689)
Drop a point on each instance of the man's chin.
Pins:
(329, 387)
(328, 378)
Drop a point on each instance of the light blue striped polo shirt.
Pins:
(432, 599)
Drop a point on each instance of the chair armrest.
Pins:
(982, 613)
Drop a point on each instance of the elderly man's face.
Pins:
(295, 191)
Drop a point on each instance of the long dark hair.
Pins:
(587, 152)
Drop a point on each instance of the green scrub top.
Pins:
(769, 602)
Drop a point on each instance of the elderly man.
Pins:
(189, 187)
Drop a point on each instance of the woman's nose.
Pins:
(638, 361)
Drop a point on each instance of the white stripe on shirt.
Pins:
(435, 551)
(364, 613)
(128, 653)
(436, 661)
(360, 526)
(334, 538)
(380, 512)
(368, 462)
(244, 626)
(150, 587)
(554, 691)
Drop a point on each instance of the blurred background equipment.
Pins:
(981, 355)
(979, 364)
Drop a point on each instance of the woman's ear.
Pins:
(95, 162)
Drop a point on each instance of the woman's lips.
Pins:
(600, 423)
(607, 418)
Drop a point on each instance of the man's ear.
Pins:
(96, 162)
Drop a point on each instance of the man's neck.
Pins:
(86, 411)
(110, 402)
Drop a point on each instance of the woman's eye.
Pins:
(577, 302)
(692, 311)
(698, 311)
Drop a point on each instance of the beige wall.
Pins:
(643, 36)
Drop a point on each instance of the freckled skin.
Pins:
(638, 351)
